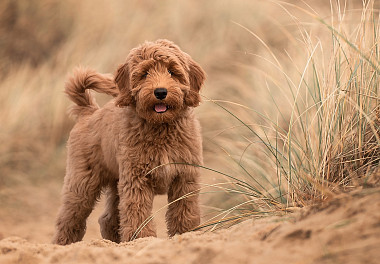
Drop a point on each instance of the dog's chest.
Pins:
(162, 169)
(156, 157)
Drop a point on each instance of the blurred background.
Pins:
(245, 47)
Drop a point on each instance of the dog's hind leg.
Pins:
(109, 220)
(80, 192)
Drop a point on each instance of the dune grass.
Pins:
(326, 140)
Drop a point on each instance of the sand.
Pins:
(343, 230)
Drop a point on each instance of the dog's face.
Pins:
(160, 81)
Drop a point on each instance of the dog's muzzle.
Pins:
(160, 94)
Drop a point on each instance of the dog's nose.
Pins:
(160, 93)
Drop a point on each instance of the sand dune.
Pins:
(344, 230)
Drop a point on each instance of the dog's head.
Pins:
(160, 81)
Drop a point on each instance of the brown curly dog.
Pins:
(135, 147)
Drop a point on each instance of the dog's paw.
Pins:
(129, 235)
(109, 227)
(63, 240)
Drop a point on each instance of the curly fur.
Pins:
(121, 146)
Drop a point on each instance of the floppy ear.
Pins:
(196, 77)
(123, 83)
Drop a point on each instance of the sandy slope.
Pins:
(344, 230)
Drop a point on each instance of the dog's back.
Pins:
(77, 88)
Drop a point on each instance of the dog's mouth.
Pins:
(161, 108)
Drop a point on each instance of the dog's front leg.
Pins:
(183, 215)
(135, 208)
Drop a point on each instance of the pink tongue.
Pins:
(160, 108)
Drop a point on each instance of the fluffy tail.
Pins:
(77, 88)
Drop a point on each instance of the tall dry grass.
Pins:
(289, 112)
(319, 135)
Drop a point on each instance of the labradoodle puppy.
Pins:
(136, 146)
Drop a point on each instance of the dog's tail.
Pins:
(78, 85)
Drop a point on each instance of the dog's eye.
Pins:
(144, 75)
(170, 72)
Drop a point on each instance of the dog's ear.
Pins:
(123, 83)
(196, 77)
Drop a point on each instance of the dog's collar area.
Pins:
(160, 108)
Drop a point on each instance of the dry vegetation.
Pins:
(290, 113)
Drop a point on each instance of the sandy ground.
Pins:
(344, 230)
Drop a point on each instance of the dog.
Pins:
(145, 141)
